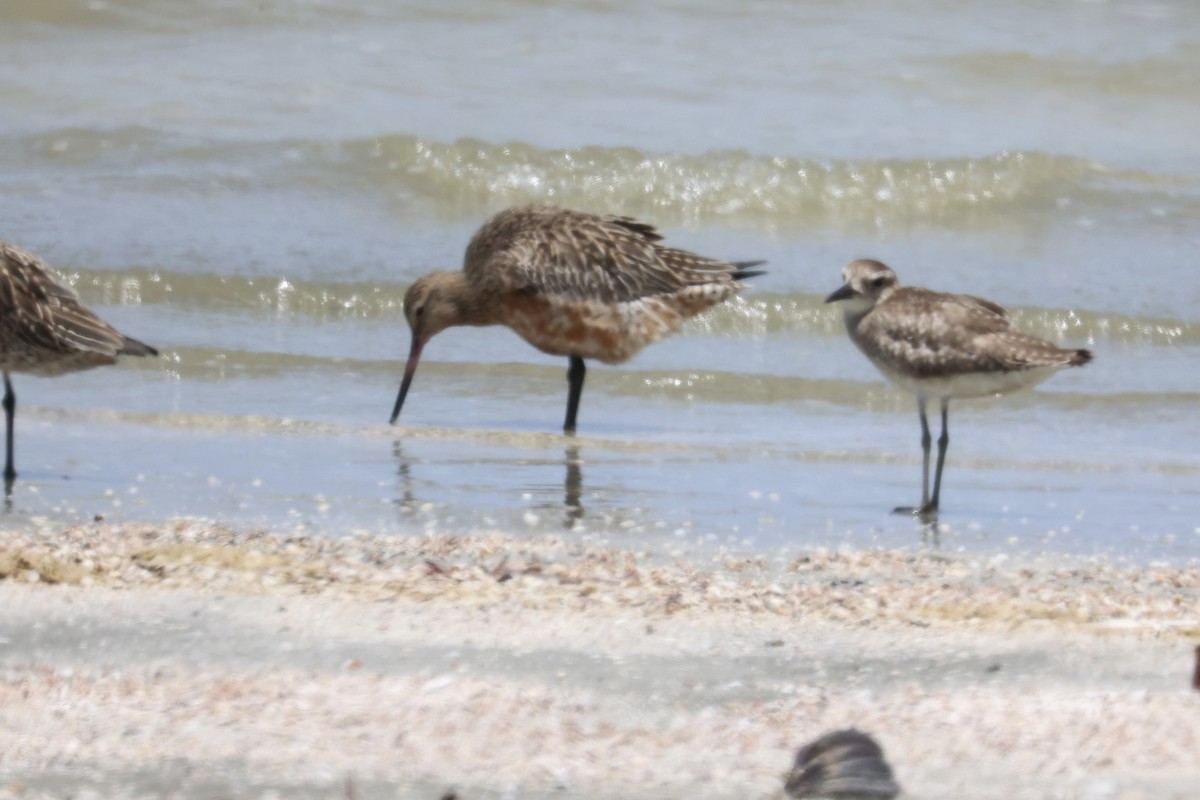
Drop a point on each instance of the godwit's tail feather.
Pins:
(743, 269)
(1080, 358)
(67, 325)
(132, 347)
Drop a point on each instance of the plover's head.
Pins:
(867, 281)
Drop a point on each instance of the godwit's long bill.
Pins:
(940, 346)
(571, 284)
(44, 330)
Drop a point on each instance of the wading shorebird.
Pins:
(571, 284)
(941, 346)
(45, 331)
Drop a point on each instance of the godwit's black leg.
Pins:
(575, 375)
(943, 442)
(10, 412)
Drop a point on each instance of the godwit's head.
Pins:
(866, 283)
(432, 304)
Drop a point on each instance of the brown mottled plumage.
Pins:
(846, 764)
(44, 330)
(940, 346)
(572, 284)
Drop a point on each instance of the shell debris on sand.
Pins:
(860, 587)
(491, 661)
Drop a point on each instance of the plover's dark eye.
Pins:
(420, 312)
(880, 281)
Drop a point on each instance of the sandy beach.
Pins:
(188, 660)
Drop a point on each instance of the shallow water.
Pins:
(251, 189)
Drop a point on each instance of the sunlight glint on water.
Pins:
(251, 188)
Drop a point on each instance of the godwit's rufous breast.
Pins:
(571, 284)
(45, 331)
(940, 346)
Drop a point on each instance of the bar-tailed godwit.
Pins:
(44, 330)
(571, 284)
(941, 346)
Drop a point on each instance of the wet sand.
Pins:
(187, 660)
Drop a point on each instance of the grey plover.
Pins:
(571, 284)
(941, 346)
(45, 331)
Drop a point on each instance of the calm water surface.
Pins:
(251, 188)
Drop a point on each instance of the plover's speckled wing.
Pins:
(573, 255)
(929, 334)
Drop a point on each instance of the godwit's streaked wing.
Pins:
(45, 330)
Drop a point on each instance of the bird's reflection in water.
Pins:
(406, 502)
(931, 534)
(572, 487)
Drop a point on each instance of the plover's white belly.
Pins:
(971, 384)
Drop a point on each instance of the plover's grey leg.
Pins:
(10, 411)
(943, 443)
(926, 446)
